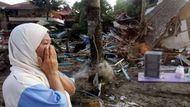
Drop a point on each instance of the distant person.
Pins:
(34, 80)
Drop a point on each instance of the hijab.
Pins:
(23, 42)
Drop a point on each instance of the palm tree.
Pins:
(94, 30)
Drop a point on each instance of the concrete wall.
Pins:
(184, 14)
(183, 38)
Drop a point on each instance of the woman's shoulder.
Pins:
(23, 80)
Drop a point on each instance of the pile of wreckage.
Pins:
(4, 62)
(131, 38)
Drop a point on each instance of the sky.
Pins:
(70, 2)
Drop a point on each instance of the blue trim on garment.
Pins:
(41, 96)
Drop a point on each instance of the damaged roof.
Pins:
(159, 17)
(23, 5)
(2, 4)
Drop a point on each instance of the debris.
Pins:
(140, 64)
(123, 98)
(123, 104)
(179, 72)
(95, 80)
(117, 25)
(123, 68)
(105, 71)
(168, 9)
(112, 97)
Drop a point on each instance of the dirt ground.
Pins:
(153, 94)
(133, 92)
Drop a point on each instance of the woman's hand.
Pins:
(49, 64)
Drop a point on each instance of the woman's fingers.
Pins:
(46, 53)
(39, 61)
(53, 54)
(49, 64)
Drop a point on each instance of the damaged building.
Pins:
(180, 40)
(163, 26)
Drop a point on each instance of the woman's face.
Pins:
(46, 42)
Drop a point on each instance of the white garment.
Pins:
(23, 42)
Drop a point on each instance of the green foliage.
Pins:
(42, 4)
(48, 4)
(105, 7)
(131, 7)
(80, 27)
(134, 8)
(56, 3)
(121, 6)
(76, 31)
(107, 15)
(80, 8)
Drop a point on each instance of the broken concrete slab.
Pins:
(159, 18)
(173, 42)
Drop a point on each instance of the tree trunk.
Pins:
(94, 30)
(143, 11)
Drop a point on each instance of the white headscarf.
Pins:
(23, 42)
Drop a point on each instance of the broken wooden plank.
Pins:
(119, 26)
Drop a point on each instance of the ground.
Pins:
(145, 94)
(154, 94)
(141, 94)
